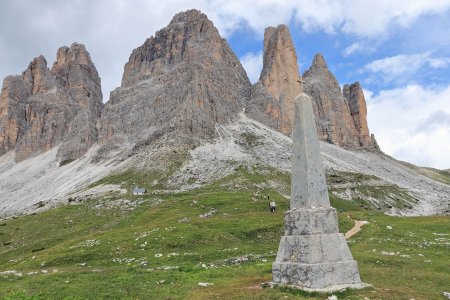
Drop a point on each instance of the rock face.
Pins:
(272, 97)
(333, 118)
(340, 120)
(312, 255)
(183, 80)
(358, 110)
(44, 108)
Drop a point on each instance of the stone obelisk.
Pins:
(312, 255)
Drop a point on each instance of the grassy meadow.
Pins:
(167, 246)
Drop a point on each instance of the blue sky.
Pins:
(399, 50)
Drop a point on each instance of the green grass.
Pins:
(381, 196)
(163, 248)
(439, 175)
(436, 174)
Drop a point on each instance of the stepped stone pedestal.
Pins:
(312, 255)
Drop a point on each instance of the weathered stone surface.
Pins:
(320, 276)
(313, 248)
(340, 118)
(183, 81)
(44, 108)
(310, 221)
(333, 120)
(358, 110)
(272, 98)
(308, 187)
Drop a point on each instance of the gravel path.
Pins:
(355, 229)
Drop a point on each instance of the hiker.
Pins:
(272, 206)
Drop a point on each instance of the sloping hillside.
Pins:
(210, 243)
(370, 179)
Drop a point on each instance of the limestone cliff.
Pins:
(333, 118)
(185, 79)
(272, 97)
(43, 108)
(358, 110)
(340, 119)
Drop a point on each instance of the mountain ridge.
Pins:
(43, 108)
(184, 95)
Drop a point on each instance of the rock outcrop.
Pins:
(338, 122)
(272, 97)
(44, 108)
(358, 110)
(333, 119)
(183, 80)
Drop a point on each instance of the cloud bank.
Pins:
(412, 123)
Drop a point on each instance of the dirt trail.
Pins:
(355, 229)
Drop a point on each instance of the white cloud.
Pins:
(360, 17)
(437, 63)
(357, 47)
(400, 67)
(412, 123)
(353, 48)
(252, 63)
(112, 28)
(364, 17)
(397, 65)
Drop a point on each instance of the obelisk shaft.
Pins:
(308, 185)
(312, 254)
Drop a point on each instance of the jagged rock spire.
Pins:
(358, 110)
(319, 62)
(340, 117)
(44, 108)
(272, 100)
(184, 79)
(333, 120)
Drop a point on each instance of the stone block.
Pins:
(305, 221)
(313, 249)
(316, 276)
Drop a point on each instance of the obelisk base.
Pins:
(313, 255)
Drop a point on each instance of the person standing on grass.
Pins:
(272, 206)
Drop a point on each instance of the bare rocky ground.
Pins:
(40, 183)
(248, 142)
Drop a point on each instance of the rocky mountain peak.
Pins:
(319, 71)
(319, 62)
(75, 54)
(358, 110)
(333, 120)
(76, 72)
(37, 76)
(42, 109)
(38, 63)
(189, 15)
(273, 96)
(280, 69)
(184, 79)
(188, 34)
(340, 118)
